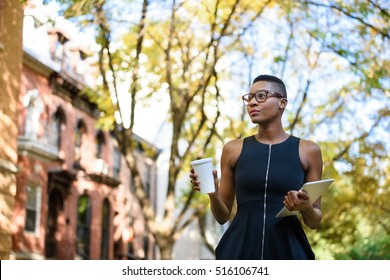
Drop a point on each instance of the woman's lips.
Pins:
(254, 112)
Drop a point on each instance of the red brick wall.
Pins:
(35, 169)
(26, 242)
(11, 21)
(34, 245)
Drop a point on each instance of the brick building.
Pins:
(11, 20)
(74, 195)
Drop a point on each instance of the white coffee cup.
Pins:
(204, 169)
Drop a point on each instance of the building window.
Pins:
(105, 230)
(33, 206)
(55, 209)
(83, 227)
(34, 107)
(99, 141)
(117, 162)
(147, 177)
(101, 166)
(57, 125)
(81, 130)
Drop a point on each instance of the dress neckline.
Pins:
(275, 144)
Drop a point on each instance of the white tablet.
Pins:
(314, 190)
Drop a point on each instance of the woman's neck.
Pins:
(271, 135)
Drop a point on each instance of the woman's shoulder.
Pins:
(309, 145)
(233, 147)
(309, 153)
(311, 159)
(235, 144)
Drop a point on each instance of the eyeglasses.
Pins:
(260, 96)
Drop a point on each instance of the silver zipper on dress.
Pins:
(265, 200)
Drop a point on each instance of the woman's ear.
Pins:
(282, 103)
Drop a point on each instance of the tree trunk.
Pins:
(166, 250)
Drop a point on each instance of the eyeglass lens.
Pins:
(260, 96)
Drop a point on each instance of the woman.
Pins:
(265, 172)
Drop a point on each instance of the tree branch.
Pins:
(349, 144)
(348, 14)
(302, 104)
(202, 228)
(140, 38)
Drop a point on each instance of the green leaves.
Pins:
(374, 248)
(200, 56)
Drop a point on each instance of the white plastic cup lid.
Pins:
(200, 161)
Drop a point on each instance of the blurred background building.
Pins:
(66, 189)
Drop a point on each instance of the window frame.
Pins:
(83, 230)
(80, 133)
(100, 141)
(57, 126)
(36, 209)
(117, 162)
(105, 230)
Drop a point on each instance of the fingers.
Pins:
(291, 200)
(194, 180)
(295, 200)
(215, 175)
(291, 197)
(216, 181)
(196, 183)
(288, 201)
(303, 195)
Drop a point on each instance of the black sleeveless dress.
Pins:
(263, 176)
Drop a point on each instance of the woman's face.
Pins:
(268, 110)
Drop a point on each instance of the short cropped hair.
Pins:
(272, 79)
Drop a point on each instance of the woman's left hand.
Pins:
(297, 200)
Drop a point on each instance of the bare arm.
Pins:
(311, 159)
(221, 201)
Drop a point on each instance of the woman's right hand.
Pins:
(194, 180)
(196, 183)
